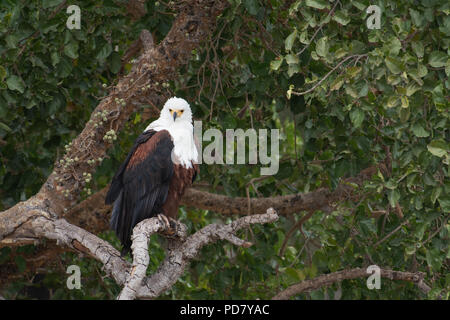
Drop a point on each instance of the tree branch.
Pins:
(140, 238)
(180, 252)
(320, 199)
(328, 279)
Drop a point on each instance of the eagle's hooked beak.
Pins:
(176, 113)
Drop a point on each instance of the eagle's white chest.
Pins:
(184, 151)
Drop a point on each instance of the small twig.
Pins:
(390, 234)
(291, 231)
(318, 29)
(436, 232)
(328, 74)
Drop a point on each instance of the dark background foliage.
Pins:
(389, 106)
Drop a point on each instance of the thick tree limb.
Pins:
(320, 199)
(69, 235)
(328, 279)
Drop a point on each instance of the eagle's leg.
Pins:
(170, 226)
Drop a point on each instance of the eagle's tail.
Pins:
(117, 221)
(116, 212)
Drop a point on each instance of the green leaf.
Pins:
(444, 202)
(2, 73)
(292, 69)
(437, 59)
(341, 17)
(322, 46)
(289, 42)
(391, 184)
(419, 131)
(434, 258)
(393, 197)
(411, 88)
(410, 250)
(304, 37)
(55, 58)
(104, 52)
(357, 117)
(292, 59)
(337, 83)
(392, 101)
(289, 92)
(359, 5)
(15, 83)
(439, 148)
(11, 41)
(351, 91)
(393, 65)
(404, 114)
(251, 6)
(418, 48)
(353, 71)
(435, 194)
(71, 50)
(318, 4)
(393, 46)
(417, 17)
(422, 70)
(275, 64)
(64, 68)
(5, 127)
(405, 102)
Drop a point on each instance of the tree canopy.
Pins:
(363, 116)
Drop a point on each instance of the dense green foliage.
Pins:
(379, 94)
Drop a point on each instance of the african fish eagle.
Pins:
(156, 172)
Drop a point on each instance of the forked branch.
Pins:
(181, 251)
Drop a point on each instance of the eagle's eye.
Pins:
(170, 110)
(181, 111)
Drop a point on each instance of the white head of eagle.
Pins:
(158, 169)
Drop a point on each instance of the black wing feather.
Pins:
(117, 184)
(140, 186)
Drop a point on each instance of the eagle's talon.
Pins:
(173, 224)
(163, 219)
(170, 226)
